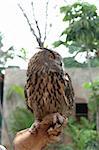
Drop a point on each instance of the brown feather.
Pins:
(48, 88)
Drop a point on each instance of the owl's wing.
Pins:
(26, 90)
(69, 92)
(61, 93)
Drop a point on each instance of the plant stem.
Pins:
(93, 90)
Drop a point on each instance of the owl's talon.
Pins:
(60, 119)
(55, 118)
(34, 126)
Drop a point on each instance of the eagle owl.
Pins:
(48, 88)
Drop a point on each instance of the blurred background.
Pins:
(69, 27)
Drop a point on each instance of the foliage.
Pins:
(92, 145)
(94, 96)
(59, 147)
(94, 62)
(94, 100)
(82, 134)
(1, 44)
(15, 89)
(82, 33)
(5, 55)
(23, 54)
(10, 53)
(71, 62)
(20, 119)
(83, 25)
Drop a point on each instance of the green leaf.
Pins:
(71, 62)
(86, 123)
(15, 89)
(87, 85)
(57, 43)
(63, 9)
(73, 48)
(69, 147)
(67, 18)
(83, 28)
(92, 106)
(92, 145)
(20, 119)
(64, 32)
(23, 54)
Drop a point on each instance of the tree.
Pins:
(82, 33)
(10, 53)
(5, 55)
(94, 100)
(83, 134)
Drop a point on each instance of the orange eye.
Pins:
(51, 56)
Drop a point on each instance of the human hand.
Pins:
(49, 130)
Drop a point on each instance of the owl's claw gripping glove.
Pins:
(49, 130)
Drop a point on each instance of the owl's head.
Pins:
(45, 59)
(51, 56)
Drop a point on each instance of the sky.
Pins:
(16, 31)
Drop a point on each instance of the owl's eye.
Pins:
(61, 64)
(51, 56)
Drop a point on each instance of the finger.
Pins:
(54, 132)
(54, 139)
